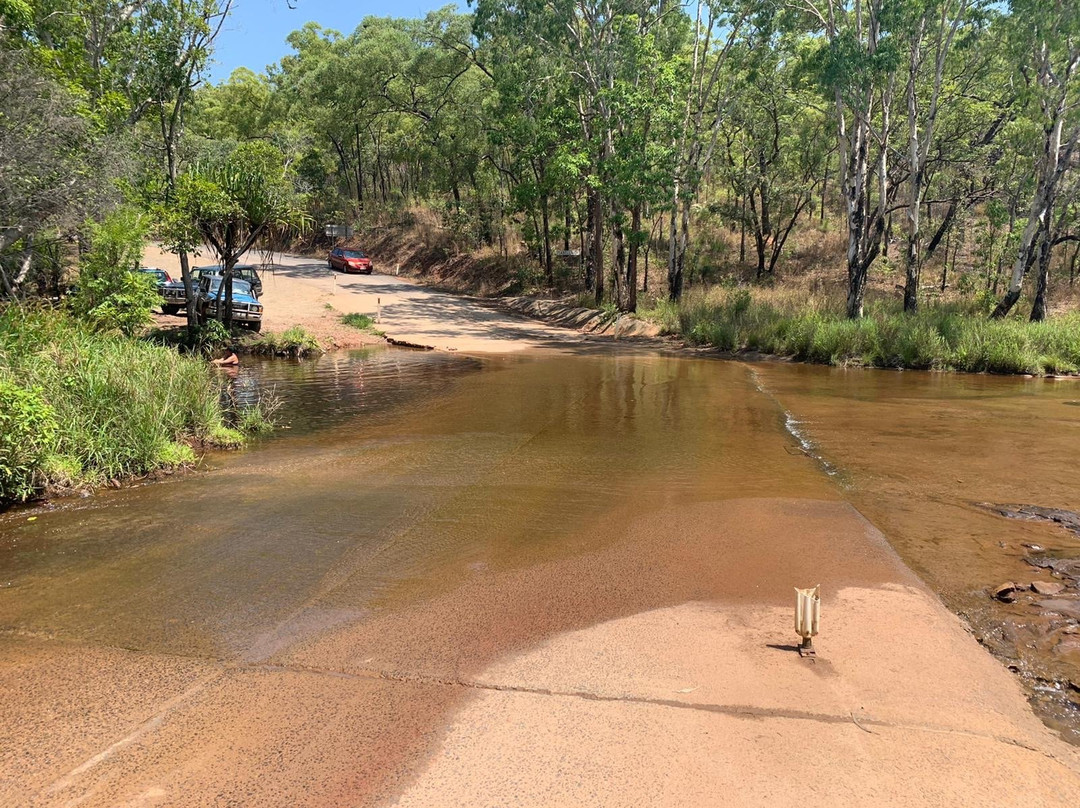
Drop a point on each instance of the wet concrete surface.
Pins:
(315, 621)
(929, 459)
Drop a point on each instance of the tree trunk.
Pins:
(1051, 167)
(1038, 308)
(191, 309)
(742, 232)
(226, 289)
(857, 203)
(760, 233)
(945, 266)
(596, 215)
(632, 261)
(824, 194)
(6, 284)
(1024, 256)
(25, 264)
(618, 239)
(674, 269)
(359, 170)
(549, 268)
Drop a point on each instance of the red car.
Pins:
(349, 261)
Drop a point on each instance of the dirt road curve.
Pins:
(303, 291)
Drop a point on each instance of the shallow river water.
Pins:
(399, 474)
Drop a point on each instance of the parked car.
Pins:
(349, 261)
(173, 295)
(246, 308)
(241, 272)
(160, 276)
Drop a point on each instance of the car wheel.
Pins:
(256, 325)
(170, 310)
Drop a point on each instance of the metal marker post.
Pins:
(807, 617)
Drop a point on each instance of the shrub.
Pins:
(27, 430)
(361, 321)
(81, 407)
(204, 339)
(111, 295)
(663, 312)
(294, 343)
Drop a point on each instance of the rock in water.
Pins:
(1064, 607)
(1047, 587)
(1006, 593)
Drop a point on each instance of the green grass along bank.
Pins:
(80, 408)
(944, 336)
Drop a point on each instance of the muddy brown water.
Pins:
(401, 476)
(921, 455)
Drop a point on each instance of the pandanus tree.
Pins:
(232, 203)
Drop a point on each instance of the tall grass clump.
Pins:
(295, 343)
(79, 407)
(356, 320)
(941, 337)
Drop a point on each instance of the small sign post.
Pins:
(807, 618)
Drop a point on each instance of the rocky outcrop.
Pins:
(1035, 627)
(1070, 520)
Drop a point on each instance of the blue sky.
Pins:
(254, 35)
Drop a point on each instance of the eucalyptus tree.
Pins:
(611, 51)
(776, 142)
(534, 141)
(932, 27)
(857, 64)
(705, 103)
(643, 96)
(1047, 37)
(240, 108)
(328, 88)
(55, 168)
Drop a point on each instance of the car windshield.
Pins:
(239, 287)
(157, 273)
(353, 254)
(247, 273)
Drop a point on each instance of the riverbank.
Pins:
(79, 409)
(801, 318)
(956, 336)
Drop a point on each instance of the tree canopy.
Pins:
(925, 132)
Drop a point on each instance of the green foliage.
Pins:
(204, 339)
(111, 294)
(27, 430)
(294, 343)
(941, 338)
(663, 312)
(361, 321)
(91, 406)
(236, 201)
